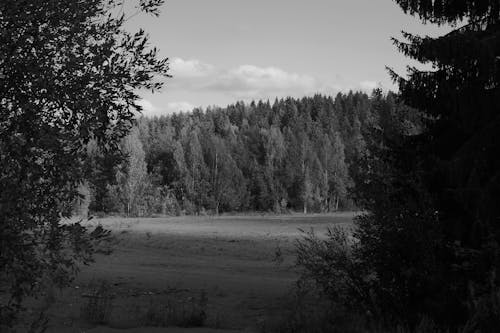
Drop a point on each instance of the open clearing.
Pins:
(242, 266)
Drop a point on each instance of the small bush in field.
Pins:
(332, 264)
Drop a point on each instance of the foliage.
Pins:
(82, 202)
(456, 158)
(294, 154)
(132, 178)
(69, 73)
(430, 239)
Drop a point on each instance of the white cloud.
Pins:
(147, 107)
(242, 82)
(174, 107)
(253, 81)
(368, 86)
(192, 68)
(150, 110)
(195, 78)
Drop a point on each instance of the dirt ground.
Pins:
(238, 269)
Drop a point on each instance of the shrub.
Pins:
(332, 264)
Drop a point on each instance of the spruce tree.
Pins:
(452, 167)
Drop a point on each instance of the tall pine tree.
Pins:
(433, 232)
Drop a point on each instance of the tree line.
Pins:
(292, 154)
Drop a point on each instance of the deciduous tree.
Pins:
(69, 73)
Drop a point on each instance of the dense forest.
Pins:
(289, 155)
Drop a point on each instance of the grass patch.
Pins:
(190, 312)
(99, 302)
(308, 311)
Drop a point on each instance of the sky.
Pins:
(223, 51)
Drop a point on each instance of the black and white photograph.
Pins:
(237, 166)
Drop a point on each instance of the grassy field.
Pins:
(231, 271)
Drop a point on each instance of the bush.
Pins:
(332, 264)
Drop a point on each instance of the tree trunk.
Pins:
(326, 205)
(216, 187)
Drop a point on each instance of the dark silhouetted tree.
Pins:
(429, 180)
(458, 150)
(69, 73)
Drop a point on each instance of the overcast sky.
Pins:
(222, 51)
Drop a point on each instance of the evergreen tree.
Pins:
(431, 235)
(459, 147)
